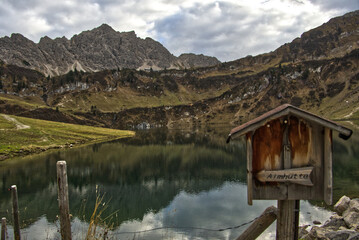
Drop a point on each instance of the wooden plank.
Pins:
(260, 224)
(287, 151)
(249, 169)
(296, 218)
(15, 212)
(328, 171)
(315, 157)
(3, 229)
(63, 197)
(317, 161)
(287, 226)
(294, 175)
(267, 146)
(270, 191)
(286, 222)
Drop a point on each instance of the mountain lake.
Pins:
(177, 184)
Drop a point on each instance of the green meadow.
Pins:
(22, 136)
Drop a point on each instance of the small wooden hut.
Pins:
(289, 154)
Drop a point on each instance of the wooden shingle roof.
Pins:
(285, 110)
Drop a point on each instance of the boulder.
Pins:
(303, 231)
(342, 235)
(351, 214)
(318, 233)
(342, 205)
(335, 223)
(352, 219)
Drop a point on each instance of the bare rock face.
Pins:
(189, 60)
(98, 49)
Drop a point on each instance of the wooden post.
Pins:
(328, 168)
(288, 210)
(3, 229)
(249, 168)
(286, 220)
(63, 197)
(260, 224)
(15, 212)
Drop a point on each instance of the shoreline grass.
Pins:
(43, 135)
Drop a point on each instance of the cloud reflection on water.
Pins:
(223, 207)
(228, 203)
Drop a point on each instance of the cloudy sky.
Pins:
(227, 29)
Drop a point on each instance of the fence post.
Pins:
(15, 212)
(260, 224)
(63, 197)
(3, 229)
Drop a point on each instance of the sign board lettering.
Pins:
(295, 175)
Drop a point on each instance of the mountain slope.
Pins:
(324, 82)
(99, 49)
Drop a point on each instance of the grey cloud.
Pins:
(227, 30)
(341, 6)
(35, 18)
(230, 31)
(230, 34)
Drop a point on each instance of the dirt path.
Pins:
(351, 113)
(18, 124)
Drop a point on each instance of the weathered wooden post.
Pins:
(260, 224)
(289, 158)
(63, 198)
(3, 229)
(15, 212)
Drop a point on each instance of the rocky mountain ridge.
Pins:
(95, 50)
(325, 82)
(335, 38)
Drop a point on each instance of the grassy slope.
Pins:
(124, 98)
(43, 135)
(25, 102)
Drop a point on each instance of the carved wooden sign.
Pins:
(300, 176)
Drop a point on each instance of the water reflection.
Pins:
(156, 179)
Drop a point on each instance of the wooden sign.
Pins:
(300, 176)
(281, 145)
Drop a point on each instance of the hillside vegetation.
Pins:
(317, 72)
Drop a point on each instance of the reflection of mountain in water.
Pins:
(145, 173)
(135, 177)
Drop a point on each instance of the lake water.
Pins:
(188, 184)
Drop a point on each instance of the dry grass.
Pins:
(99, 225)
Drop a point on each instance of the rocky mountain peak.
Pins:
(19, 39)
(45, 40)
(93, 50)
(105, 28)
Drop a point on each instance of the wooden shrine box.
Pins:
(289, 155)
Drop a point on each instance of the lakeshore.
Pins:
(22, 136)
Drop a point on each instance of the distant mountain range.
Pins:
(95, 50)
(318, 72)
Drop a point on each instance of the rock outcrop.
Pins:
(341, 226)
(90, 51)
